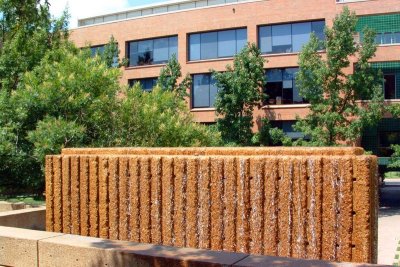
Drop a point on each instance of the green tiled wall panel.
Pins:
(380, 23)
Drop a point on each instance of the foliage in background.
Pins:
(65, 101)
(335, 115)
(270, 136)
(27, 32)
(169, 76)
(239, 92)
(72, 99)
(159, 119)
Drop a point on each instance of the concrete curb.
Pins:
(21, 247)
(32, 218)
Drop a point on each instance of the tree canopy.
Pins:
(73, 99)
(27, 32)
(239, 92)
(336, 113)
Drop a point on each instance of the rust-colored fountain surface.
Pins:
(314, 203)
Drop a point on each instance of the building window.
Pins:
(147, 84)
(387, 38)
(389, 86)
(386, 140)
(281, 87)
(204, 91)
(152, 51)
(287, 128)
(97, 50)
(386, 26)
(287, 38)
(218, 44)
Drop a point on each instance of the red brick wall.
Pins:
(248, 15)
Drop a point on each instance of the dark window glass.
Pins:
(147, 84)
(213, 91)
(281, 87)
(204, 91)
(216, 44)
(387, 38)
(318, 28)
(386, 140)
(378, 38)
(161, 50)
(241, 39)
(154, 51)
(282, 38)
(286, 38)
(173, 46)
(265, 39)
(97, 50)
(390, 86)
(194, 46)
(287, 128)
(226, 43)
(209, 45)
(396, 37)
(301, 34)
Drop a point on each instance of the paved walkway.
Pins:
(389, 221)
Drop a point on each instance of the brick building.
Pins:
(206, 34)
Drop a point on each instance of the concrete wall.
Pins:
(33, 218)
(315, 206)
(21, 247)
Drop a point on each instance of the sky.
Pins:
(87, 8)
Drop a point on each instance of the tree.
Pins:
(111, 53)
(169, 76)
(239, 92)
(64, 101)
(159, 119)
(27, 33)
(72, 99)
(336, 115)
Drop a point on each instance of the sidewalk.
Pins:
(389, 221)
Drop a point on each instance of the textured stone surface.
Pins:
(321, 205)
(218, 151)
(18, 247)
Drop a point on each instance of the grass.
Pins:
(26, 199)
(392, 175)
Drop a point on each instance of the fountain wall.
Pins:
(312, 203)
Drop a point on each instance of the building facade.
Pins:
(206, 34)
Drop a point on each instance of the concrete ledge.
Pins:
(72, 250)
(7, 206)
(18, 247)
(21, 247)
(33, 218)
(258, 261)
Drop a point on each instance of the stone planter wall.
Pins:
(304, 203)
